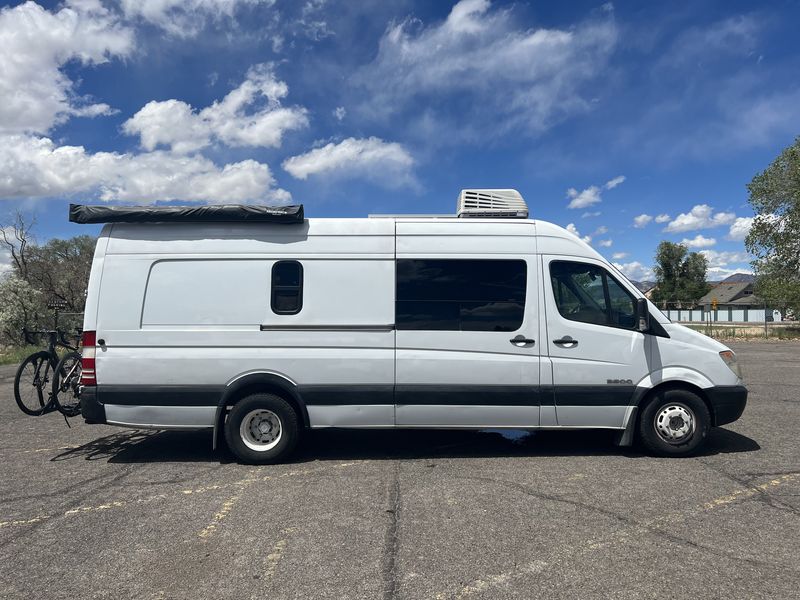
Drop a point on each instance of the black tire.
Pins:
(250, 424)
(66, 385)
(32, 384)
(678, 413)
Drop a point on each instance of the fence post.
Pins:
(766, 331)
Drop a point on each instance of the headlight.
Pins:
(730, 360)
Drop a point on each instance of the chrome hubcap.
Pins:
(675, 423)
(260, 430)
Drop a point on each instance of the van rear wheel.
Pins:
(261, 429)
(674, 423)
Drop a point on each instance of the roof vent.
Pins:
(506, 204)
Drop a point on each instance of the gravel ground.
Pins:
(97, 511)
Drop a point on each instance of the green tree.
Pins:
(21, 305)
(59, 269)
(39, 274)
(680, 274)
(774, 239)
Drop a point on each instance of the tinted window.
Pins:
(287, 287)
(587, 293)
(460, 295)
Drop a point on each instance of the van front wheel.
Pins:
(674, 423)
(261, 429)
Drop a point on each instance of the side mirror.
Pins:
(642, 315)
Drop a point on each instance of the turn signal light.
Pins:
(88, 354)
(730, 360)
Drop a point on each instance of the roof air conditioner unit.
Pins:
(505, 204)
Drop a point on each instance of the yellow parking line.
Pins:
(106, 506)
(274, 557)
(228, 505)
(24, 521)
(501, 579)
(112, 504)
(226, 508)
(749, 492)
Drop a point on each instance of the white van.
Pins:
(259, 330)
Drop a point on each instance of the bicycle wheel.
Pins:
(66, 385)
(31, 384)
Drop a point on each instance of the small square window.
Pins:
(287, 287)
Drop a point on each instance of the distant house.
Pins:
(735, 295)
(735, 303)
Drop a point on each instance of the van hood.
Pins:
(695, 338)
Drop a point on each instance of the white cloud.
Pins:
(340, 113)
(740, 228)
(732, 36)
(596, 213)
(642, 221)
(619, 255)
(175, 124)
(592, 194)
(5, 256)
(35, 167)
(723, 264)
(718, 259)
(601, 230)
(719, 273)
(635, 271)
(386, 163)
(36, 43)
(574, 231)
(584, 198)
(720, 101)
(605, 243)
(663, 218)
(507, 77)
(698, 241)
(701, 216)
(184, 18)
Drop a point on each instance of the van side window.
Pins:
(460, 295)
(589, 294)
(287, 287)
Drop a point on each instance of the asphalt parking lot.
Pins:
(103, 512)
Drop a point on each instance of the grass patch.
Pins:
(788, 333)
(16, 354)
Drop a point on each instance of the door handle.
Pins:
(566, 341)
(521, 341)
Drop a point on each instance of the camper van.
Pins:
(258, 324)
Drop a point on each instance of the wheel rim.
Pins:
(69, 398)
(261, 430)
(675, 423)
(32, 381)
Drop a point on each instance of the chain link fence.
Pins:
(736, 320)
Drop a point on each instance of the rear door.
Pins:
(596, 354)
(467, 327)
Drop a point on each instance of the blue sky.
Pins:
(630, 122)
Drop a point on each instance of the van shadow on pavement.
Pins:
(143, 446)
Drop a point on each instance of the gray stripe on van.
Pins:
(355, 394)
(161, 417)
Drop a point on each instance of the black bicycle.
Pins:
(66, 391)
(42, 374)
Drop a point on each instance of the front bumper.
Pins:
(727, 402)
(93, 412)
